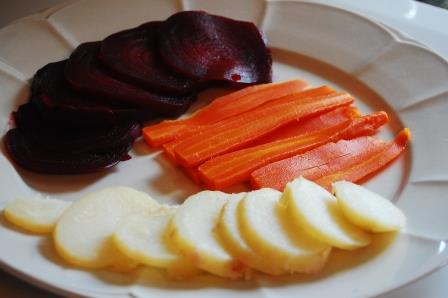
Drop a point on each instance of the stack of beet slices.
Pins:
(85, 112)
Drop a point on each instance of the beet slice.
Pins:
(132, 56)
(22, 151)
(46, 136)
(27, 117)
(41, 146)
(60, 103)
(209, 47)
(85, 74)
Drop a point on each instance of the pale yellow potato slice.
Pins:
(229, 231)
(266, 228)
(317, 212)
(367, 209)
(83, 234)
(35, 214)
(192, 233)
(142, 238)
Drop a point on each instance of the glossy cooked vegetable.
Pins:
(24, 153)
(369, 165)
(221, 108)
(42, 146)
(236, 166)
(295, 128)
(318, 122)
(240, 131)
(210, 47)
(344, 160)
(59, 103)
(85, 74)
(132, 56)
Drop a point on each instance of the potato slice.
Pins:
(367, 209)
(192, 232)
(35, 214)
(229, 231)
(266, 228)
(83, 234)
(142, 238)
(317, 212)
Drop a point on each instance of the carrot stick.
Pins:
(369, 165)
(364, 126)
(169, 148)
(234, 120)
(221, 108)
(193, 173)
(319, 122)
(254, 124)
(234, 167)
(329, 159)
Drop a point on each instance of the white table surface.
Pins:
(422, 22)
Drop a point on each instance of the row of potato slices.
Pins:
(224, 234)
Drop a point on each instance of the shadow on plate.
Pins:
(339, 261)
(171, 181)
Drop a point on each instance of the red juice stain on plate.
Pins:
(236, 77)
(126, 157)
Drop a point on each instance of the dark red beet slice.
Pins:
(60, 103)
(27, 156)
(43, 135)
(85, 74)
(27, 116)
(132, 56)
(41, 146)
(209, 47)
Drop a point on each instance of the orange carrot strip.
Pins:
(316, 123)
(234, 167)
(364, 126)
(324, 161)
(194, 175)
(169, 147)
(369, 165)
(315, 163)
(254, 124)
(235, 121)
(319, 122)
(221, 108)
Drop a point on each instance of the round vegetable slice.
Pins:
(27, 154)
(209, 47)
(229, 230)
(35, 214)
(270, 233)
(83, 234)
(316, 211)
(43, 135)
(132, 56)
(58, 102)
(85, 74)
(143, 239)
(192, 232)
(367, 209)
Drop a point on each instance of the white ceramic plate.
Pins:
(320, 43)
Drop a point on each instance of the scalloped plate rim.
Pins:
(45, 14)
